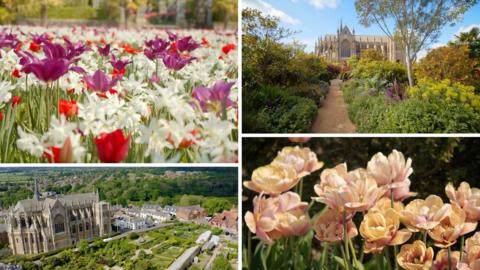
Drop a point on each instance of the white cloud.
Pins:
(321, 4)
(270, 10)
(466, 29)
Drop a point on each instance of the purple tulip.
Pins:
(100, 82)
(118, 64)
(175, 62)
(40, 39)
(214, 99)
(155, 48)
(187, 44)
(47, 70)
(8, 40)
(105, 51)
(75, 49)
(54, 51)
(172, 36)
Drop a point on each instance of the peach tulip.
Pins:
(467, 198)
(273, 179)
(471, 257)
(362, 193)
(303, 160)
(424, 215)
(263, 221)
(380, 229)
(347, 191)
(328, 227)
(290, 201)
(392, 172)
(331, 182)
(385, 203)
(451, 228)
(441, 260)
(415, 256)
(293, 223)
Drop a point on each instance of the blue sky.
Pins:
(314, 18)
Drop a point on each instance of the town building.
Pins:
(172, 210)
(130, 223)
(42, 224)
(189, 213)
(346, 44)
(227, 220)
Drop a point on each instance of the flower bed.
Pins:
(110, 95)
(364, 224)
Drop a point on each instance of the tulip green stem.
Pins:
(379, 261)
(300, 188)
(345, 261)
(388, 258)
(345, 236)
(324, 255)
(449, 259)
(395, 251)
(350, 243)
(462, 243)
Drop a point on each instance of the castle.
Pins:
(346, 44)
(49, 221)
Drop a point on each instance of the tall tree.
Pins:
(418, 22)
(228, 8)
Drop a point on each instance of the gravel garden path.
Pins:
(332, 117)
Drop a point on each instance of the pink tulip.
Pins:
(262, 221)
(328, 227)
(392, 172)
(467, 198)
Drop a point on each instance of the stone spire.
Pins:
(36, 193)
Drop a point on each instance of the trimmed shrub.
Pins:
(272, 109)
(314, 92)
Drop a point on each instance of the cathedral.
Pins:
(49, 221)
(346, 44)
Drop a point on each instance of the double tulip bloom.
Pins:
(415, 256)
(451, 228)
(471, 257)
(344, 191)
(329, 227)
(277, 217)
(381, 228)
(425, 215)
(392, 172)
(467, 198)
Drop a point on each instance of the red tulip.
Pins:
(61, 155)
(1, 116)
(128, 49)
(228, 48)
(16, 100)
(16, 73)
(112, 147)
(204, 42)
(35, 47)
(68, 108)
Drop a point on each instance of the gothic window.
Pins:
(86, 226)
(59, 225)
(345, 49)
(80, 227)
(74, 229)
